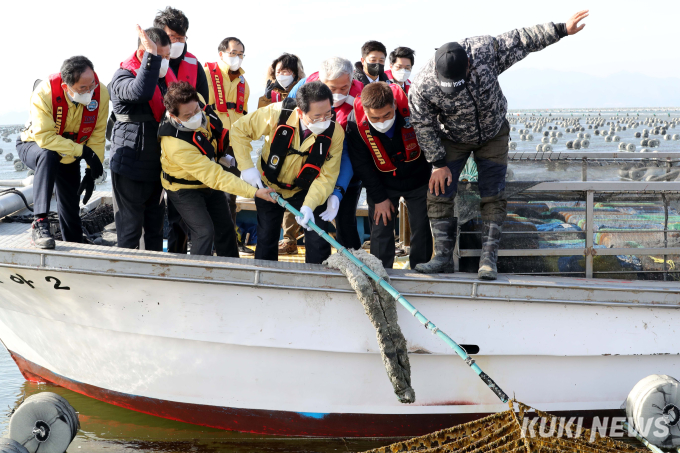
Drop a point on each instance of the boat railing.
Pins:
(587, 191)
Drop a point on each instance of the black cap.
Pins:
(451, 63)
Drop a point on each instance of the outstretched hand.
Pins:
(572, 24)
(147, 43)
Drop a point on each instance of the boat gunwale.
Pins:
(473, 295)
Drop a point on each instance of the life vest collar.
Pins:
(383, 161)
(61, 103)
(133, 64)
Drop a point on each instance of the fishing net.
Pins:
(468, 197)
(381, 309)
(511, 432)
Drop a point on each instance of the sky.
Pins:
(620, 37)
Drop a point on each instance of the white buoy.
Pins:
(608, 138)
(107, 163)
(9, 157)
(44, 422)
(616, 138)
(530, 137)
(630, 147)
(19, 165)
(654, 408)
(547, 148)
(512, 145)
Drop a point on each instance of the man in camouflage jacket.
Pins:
(458, 108)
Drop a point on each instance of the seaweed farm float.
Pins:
(282, 348)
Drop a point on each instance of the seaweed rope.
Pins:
(399, 298)
(511, 432)
(381, 309)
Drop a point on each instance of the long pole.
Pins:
(401, 299)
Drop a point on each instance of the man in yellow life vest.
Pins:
(228, 96)
(68, 115)
(192, 141)
(229, 91)
(300, 159)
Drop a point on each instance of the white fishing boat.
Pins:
(283, 348)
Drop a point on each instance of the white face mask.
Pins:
(84, 98)
(176, 49)
(165, 64)
(233, 62)
(318, 128)
(384, 126)
(339, 99)
(284, 80)
(401, 75)
(194, 122)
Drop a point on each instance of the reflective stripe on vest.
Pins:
(342, 112)
(132, 64)
(220, 92)
(188, 69)
(380, 157)
(60, 109)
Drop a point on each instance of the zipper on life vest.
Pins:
(479, 126)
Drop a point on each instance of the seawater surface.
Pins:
(108, 428)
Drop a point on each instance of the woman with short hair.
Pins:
(192, 139)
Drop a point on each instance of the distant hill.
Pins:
(536, 88)
(13, 118)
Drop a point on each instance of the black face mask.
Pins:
(375, 69)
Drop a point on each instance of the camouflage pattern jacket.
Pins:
(473, 115)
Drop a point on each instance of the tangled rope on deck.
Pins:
(381, 309)
(506, 432)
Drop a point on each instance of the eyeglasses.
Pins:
(236, 54)
(177, 38)
(319, 120)
(86, 91)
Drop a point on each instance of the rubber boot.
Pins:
(491, 236)
(444, 232)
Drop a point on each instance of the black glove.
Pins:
(87, 184)
(93, 161)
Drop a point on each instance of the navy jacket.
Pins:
(135, 149)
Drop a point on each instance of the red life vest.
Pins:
(276, 96)
(408, 135)
(60, 110)
(342, 112)
(407, 84)
(188, 69)
(220, 93)
(132, 64)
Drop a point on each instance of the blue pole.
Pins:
(401, 299)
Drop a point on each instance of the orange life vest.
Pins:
(60, 110)
(382, 160)
(132, 64)
(220, 93)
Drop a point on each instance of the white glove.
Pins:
(252, 177)
(227, 161)
(332, 206)
(308, 214)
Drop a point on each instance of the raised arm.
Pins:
(515, 45)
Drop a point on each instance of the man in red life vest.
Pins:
(137, 91)
(67, 124)
(185, 65)
(186, 68)
(401, 65)
(385, 155)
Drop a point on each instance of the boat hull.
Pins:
(289, 351)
